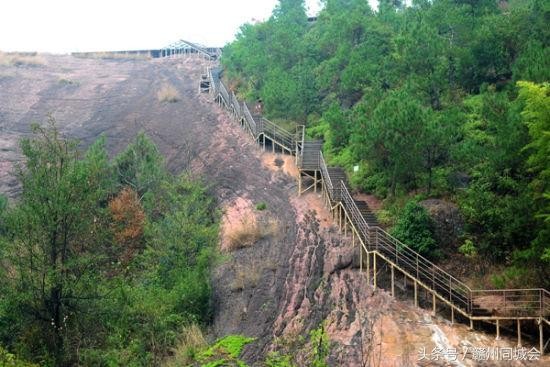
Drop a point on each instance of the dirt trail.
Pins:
(287, 282)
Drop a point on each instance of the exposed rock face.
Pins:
(449, 223)
(366, 327)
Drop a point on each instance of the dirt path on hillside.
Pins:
(296, 273)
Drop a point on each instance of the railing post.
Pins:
(377, 238)
(374, 268)
(519, 332)
(345, 224)
(360, 258)
(433, 278)
(541, 303)
(415, 293)
(368, 268)
(417, 273)
(450, 289)
(541, 338)
(392, 282)
(315, 181)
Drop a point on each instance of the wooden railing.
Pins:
(474, 304)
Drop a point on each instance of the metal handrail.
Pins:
(325, 176)
(278, 134)
(213, 82)
(223, 93)
(249, 120)
(355, 213)
(236, 105)
(415, 264)
(510, 302)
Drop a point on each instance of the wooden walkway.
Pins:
(356, 220)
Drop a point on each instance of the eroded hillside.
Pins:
(278, 284)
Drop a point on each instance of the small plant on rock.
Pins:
(168, 93)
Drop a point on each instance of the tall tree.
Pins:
(140, 166)
(394, 135)
(56, 235)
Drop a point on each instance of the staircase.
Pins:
(308, 159)
(367, 214)
(485, 305)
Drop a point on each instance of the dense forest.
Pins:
(102, 262)
(445, 99)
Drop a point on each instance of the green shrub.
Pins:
(231, 345)
(377, 183)
(224, 352)
(468, 249)
(415, 228)
(261, 206)
(321, 346)
(513, 277)
(10, 360)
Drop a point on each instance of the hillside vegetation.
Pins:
(444, 98)
(102, 262)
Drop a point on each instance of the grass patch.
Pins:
(21, 59)
(168, 93)
(249, 232)
(64, 81)
(224, 352)
(246, 277)
(190, 343)
(231, 345)
(261, 206)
